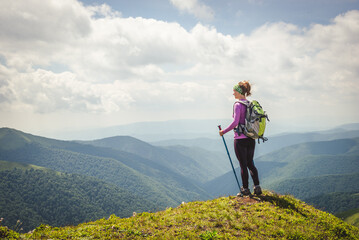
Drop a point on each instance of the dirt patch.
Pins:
(247, 200)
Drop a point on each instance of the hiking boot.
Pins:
(245, 191)
(257, 190)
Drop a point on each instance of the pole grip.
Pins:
(219, 126)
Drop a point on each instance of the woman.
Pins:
(243, 145)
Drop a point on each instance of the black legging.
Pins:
(244, 149)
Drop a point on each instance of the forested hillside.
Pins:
(351, 216)
(335, 202)
(143, 178)
(315, 186)
(321, 167)
(139, 175)
(39, 195)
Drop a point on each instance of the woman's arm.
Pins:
(236, 116)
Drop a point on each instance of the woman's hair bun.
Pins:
(246, 87)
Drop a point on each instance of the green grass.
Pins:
(270, 216)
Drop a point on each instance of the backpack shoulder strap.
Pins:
(240, 128)
(247, 103)
(244, 102)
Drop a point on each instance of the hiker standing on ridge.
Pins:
(243, 146)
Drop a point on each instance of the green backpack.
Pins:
(255, 121)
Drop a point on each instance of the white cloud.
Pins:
(103, 10)
(51, 21)
(38, 31)
(125, 66)
(45, 92)
(194, 7)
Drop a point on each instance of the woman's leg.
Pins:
(250, 163)
(241, 153)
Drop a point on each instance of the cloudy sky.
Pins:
(69, 64)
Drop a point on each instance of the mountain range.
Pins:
(142, 177)
(276, 142)
(193, 163)
(151, 176)
(320, 173)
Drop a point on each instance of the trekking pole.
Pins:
(234, 171)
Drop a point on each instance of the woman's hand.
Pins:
(221, 133)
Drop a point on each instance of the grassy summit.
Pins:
(269, 216)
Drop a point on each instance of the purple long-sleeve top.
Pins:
(239, 114)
